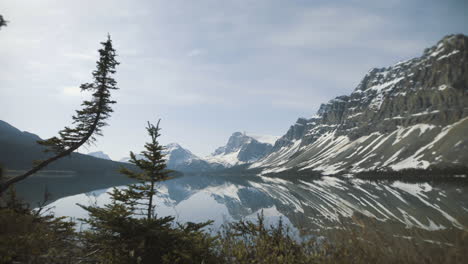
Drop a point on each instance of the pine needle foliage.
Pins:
(88, 121)
(153, 169)
(127, 230)
(3, 22)
(34, 235)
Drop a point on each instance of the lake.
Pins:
(305, 204)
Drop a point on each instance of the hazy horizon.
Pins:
(207, 69)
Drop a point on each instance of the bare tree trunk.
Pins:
(150, 205)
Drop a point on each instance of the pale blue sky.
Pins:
(207, 68)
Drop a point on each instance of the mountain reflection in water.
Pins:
(310, 203)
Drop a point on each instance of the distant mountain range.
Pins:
(181, 159)
(240, 149)
(413, 114)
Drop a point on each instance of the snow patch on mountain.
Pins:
(225, 159)
(269, 139)
(331, 153)
(100, 155)
(241, 149)
(413, 114)
(181, 159)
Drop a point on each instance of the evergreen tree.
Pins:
(88, 121)
(153, 169)
(3, 22)
(127, 230)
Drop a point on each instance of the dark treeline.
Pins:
(456, 174)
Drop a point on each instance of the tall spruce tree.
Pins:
(153, 169)
(88, 121)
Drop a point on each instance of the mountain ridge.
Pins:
(409, 115)
(181, 159)
(99, 155)
(71, 175)
(240, 149)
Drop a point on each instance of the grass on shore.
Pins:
(30, 237)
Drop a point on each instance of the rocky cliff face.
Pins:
(240, 149)
(410, 115)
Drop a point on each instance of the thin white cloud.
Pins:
(194, 53)
(71, 91)
(88, 56)
(327, 27)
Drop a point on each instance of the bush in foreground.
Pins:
(26, 237)
(31, 236)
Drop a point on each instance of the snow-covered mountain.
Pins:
(413, 114)
(268, 139)
(100, 155)
(181, 159)
(240, 149)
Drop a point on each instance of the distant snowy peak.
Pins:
(413, 114)
(181, 159)
(100, 155)
(171, 147)
(241, 148)
(235, 142)
(176, 155)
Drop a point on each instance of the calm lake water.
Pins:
(302, 203)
